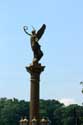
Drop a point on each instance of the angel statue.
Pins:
(34, 39)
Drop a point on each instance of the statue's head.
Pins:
(33, 31)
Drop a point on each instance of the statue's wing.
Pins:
(41, 31)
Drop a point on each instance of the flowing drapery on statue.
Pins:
(35, 37)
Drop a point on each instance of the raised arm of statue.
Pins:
(25, 30)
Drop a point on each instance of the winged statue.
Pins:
(34, 39)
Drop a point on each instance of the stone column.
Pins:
(35, 71)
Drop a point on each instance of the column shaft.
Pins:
(35, 71)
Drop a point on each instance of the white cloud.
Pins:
(67, 101)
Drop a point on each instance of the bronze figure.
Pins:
(34, 38)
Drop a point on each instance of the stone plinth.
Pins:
(35, 71)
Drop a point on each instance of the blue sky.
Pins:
(62, 45)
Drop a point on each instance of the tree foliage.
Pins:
(82, 85)
(11, 110)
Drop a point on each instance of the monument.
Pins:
(35, 69)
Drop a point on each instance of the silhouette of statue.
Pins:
(34, 38)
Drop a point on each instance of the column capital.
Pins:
(35, 68)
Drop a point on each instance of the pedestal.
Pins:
(35, 71)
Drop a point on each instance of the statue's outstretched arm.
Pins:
(25, 30)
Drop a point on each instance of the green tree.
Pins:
(48, 107)
(11, 110)
(82, 85)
